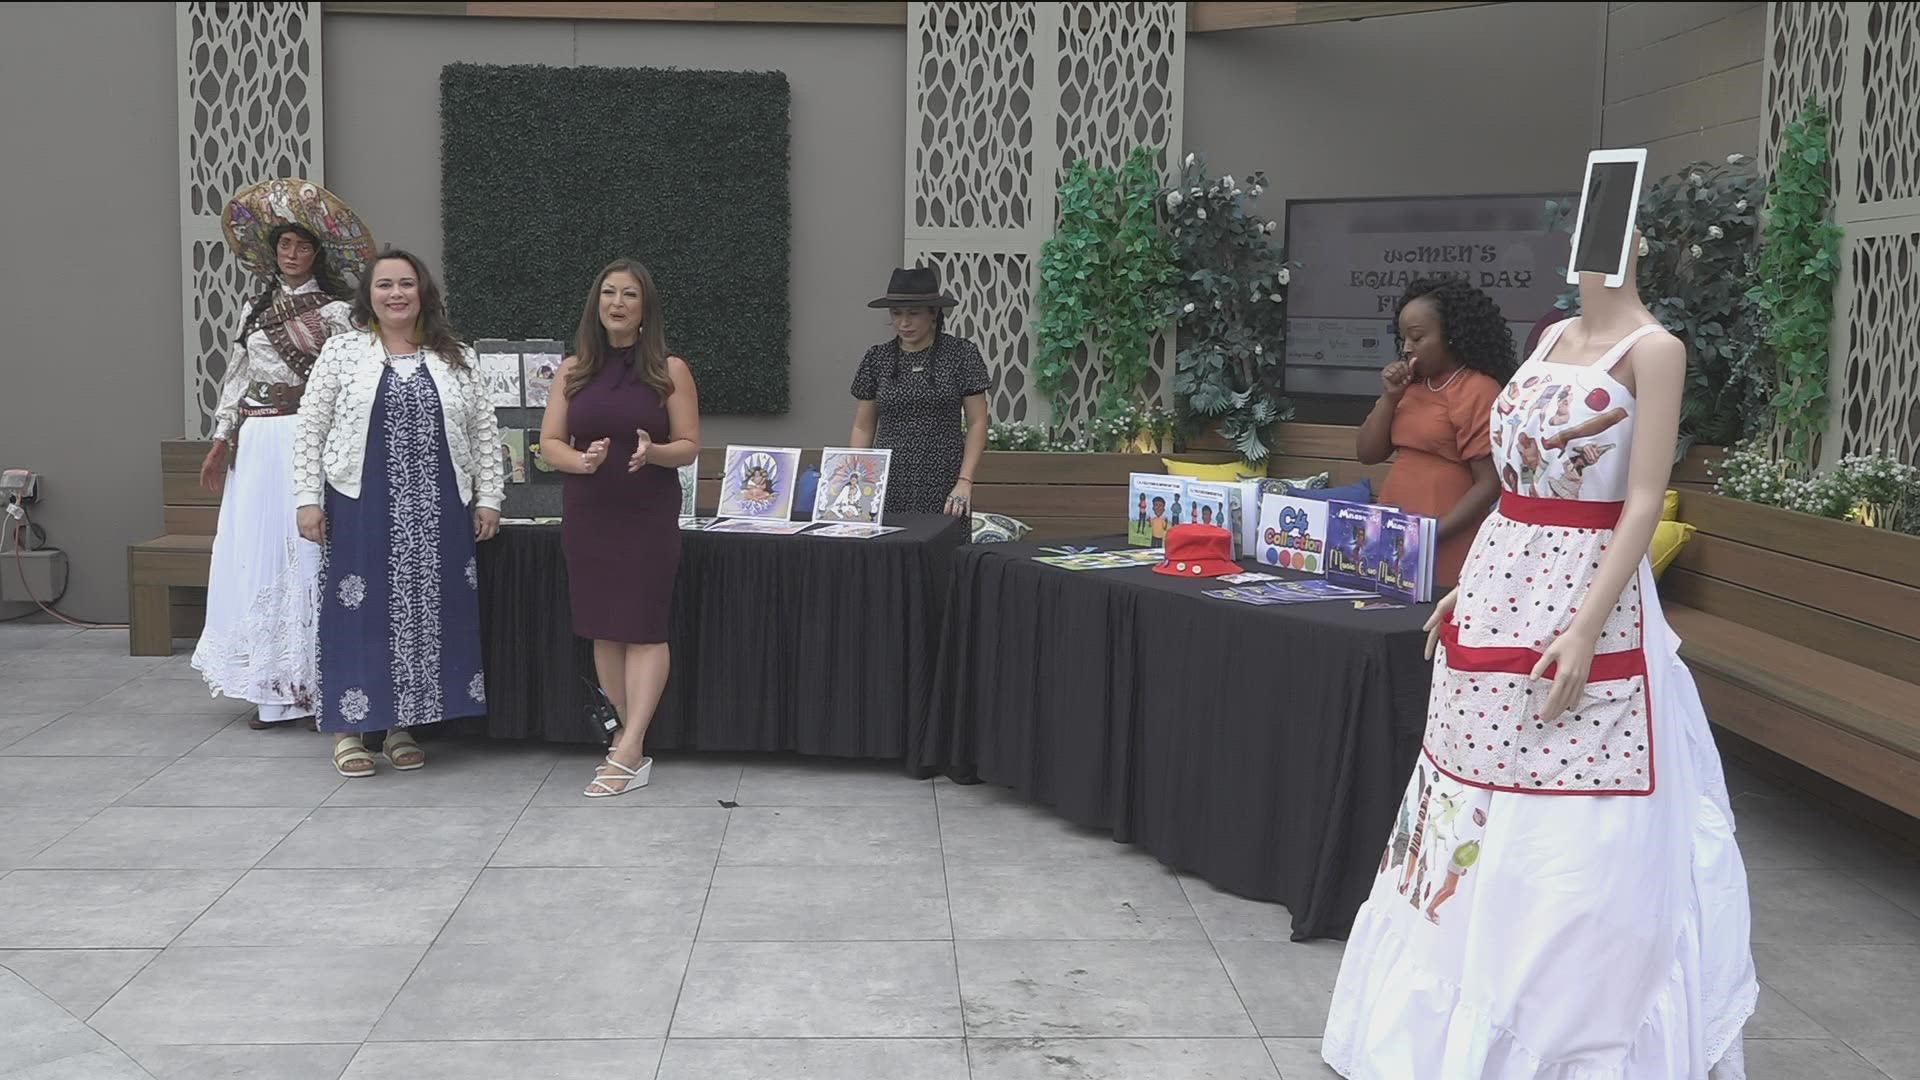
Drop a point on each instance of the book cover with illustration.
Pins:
(1356, 543)
(1293, 533)
(513, 453)
(853, 485)
(538, 467)
(499, 371)
(759, 482)
(1155, 503)
(539, 369)
(1406, 558)
(1215, 504)
(689, 487)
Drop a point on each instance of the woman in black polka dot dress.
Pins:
(923, 396)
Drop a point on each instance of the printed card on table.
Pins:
(853, 485)
(853, 530)
(1293, 533)
(1155, 504)
(760, 526)
(759, 482)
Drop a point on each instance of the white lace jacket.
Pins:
(338, 409)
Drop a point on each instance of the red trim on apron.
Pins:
(1565, 513)
(1521, 661)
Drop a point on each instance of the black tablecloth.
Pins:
(790, 643)
(1261, 748)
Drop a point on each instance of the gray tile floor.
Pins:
(181, 897)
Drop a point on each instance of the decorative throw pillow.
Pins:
(1668, 538)
(1284, 485)
(1360, 491)
(1224, 472)
(998, 529)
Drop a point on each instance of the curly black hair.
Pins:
(1475, 330)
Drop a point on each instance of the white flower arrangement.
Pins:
(1188, 310)
(1695, 251)
(1284, 275)
(1735, 159)
(1174, 199)
(1715, 232)
(1201, 213)
(1191, 158)
(1227, 182)
(1741, 206)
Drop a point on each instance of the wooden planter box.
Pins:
(1803, 634)
(1065, 495)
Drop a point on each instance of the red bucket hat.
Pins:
(1198, 551)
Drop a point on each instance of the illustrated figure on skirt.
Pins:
(623, 420)
(398, 475)
(1562, 898)
(262, 592)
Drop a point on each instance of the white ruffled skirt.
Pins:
(1543, 937)
(260, 643)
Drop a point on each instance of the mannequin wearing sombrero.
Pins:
(913, 394)
(258, 643)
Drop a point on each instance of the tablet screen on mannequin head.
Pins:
(1609, 207)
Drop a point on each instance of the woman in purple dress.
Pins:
(624, 418)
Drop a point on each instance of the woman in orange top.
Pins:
(1432, 417)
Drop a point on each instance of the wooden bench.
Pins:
(167, 575)
(1804, 637)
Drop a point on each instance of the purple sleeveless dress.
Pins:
(620, 530)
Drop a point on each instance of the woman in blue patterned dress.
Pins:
(395, 473)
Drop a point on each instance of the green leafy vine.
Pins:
(1106, 280)
(1799, 256)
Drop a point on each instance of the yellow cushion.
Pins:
(1224, 472)
(1668, 538)
(1670, 510)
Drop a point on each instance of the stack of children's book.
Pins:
(1358, 546)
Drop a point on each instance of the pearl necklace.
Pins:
(1449, 382)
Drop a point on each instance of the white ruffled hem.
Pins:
(1401, 998)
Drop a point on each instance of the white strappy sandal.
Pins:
(602, 787)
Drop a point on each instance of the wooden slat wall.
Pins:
(1840, 589)
(1684, 80)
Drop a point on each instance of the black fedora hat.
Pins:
(910, 287)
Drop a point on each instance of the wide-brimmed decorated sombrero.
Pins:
(253, 214)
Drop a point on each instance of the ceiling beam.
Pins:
(854, 14)
(1215, 15)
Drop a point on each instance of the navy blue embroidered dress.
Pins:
(400, 605)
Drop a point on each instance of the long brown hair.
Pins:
(591, 347)
(431, 328)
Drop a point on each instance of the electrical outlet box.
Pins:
(45, 572)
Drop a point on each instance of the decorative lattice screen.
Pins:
(249, 110)
(1002, 98)
(1863, 62)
